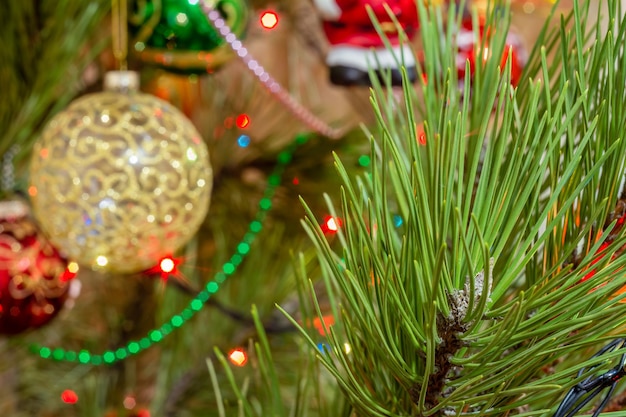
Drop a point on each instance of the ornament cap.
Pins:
(121, 81)
(13, 209)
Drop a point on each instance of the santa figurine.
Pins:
(356, 47)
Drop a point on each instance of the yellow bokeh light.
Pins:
(102, 260)
(72, 267)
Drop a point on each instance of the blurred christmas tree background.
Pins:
(57, 51)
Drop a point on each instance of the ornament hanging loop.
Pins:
(119, 32)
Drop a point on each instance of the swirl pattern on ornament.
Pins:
(119, 181)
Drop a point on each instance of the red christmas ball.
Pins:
(468, 47)
(34, 277)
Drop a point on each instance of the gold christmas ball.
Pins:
(120, 180)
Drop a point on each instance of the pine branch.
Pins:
(519, 177)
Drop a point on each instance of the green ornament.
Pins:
(177, 36)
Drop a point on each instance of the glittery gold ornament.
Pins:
(119, 179)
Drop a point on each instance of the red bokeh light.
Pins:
(167, 265)
(324, 322)
(243, 121)
(143, 413)
(69, 397)
(331, 224)
(269, 19)
(238, 357)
